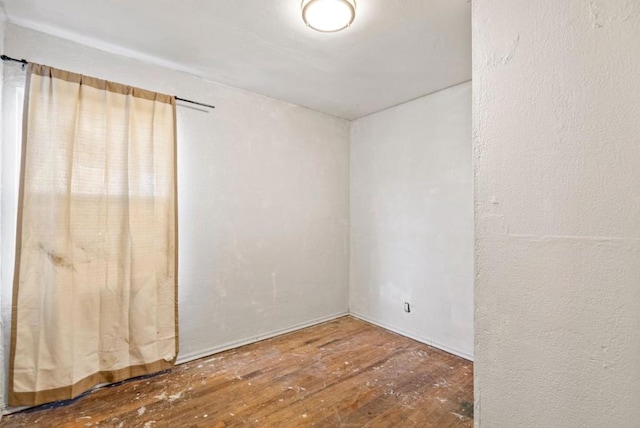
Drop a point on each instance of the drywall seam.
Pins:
(598, 240)
(401, 332)
(557, 243)
(182, 359)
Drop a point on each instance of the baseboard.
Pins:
(253, 339)
(225, 347)
(401, 332)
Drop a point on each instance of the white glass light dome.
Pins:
(328, 15)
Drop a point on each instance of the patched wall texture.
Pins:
(557, 189)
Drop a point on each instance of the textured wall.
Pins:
(557, 189)
(412, 219)
(263, 201)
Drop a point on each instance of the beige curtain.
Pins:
(95, 285)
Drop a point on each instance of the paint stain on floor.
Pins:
(343, 373)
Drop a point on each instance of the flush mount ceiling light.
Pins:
(328, 15)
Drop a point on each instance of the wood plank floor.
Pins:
(343, 373)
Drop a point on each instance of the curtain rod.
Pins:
(25, 62)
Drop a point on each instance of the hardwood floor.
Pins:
(343, 373)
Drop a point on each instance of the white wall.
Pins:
(557, 188)
(412, 219)
(263, 201)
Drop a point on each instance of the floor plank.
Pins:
(343, 373)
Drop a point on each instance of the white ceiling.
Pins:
(396, 50)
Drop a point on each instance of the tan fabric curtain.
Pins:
(95, 285)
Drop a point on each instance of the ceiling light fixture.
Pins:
(328, 16)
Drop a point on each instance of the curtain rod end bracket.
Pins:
(8, 58)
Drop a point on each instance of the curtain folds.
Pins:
(95, 289)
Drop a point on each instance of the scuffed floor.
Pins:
(343, 373)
